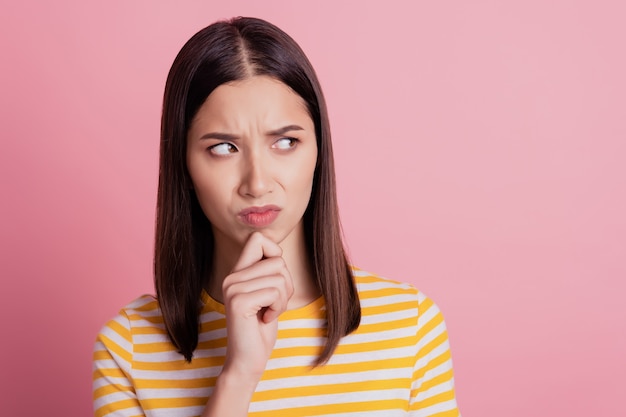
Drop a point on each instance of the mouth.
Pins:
(259, 216)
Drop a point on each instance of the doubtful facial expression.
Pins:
(251, 155)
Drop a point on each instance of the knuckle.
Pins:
(232, 290)
(227, 292)
(276, 292)
(278, 263)
(236, 302)
(229, 284)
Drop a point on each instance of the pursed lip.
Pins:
(259, 216)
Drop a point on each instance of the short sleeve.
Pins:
(432, 390)
(113, 392)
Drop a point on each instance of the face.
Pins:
(251, 155)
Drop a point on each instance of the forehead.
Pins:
(261, 98)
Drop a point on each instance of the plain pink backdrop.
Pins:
(481, 152)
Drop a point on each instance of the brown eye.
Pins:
(224, 148)
(285, 143)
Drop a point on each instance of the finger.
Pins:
(256, 248)
(269, 314)
(277, 281)
(277, 267)
(249, 304)
(271, 266)
(268, 266)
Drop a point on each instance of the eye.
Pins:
(285, 143)
(223, 148)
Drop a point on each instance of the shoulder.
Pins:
(143, 312)
(379, 292)
(144, 307)
(370, 285)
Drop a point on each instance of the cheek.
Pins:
(213, 203)
(303, 180)
(205, 180)
(211, 190)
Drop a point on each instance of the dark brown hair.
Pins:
(220, 53)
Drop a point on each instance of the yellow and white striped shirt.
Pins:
(397, 363)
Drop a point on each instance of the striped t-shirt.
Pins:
(397, 363)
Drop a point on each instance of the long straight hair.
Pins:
(220, 53)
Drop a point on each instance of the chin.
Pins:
(274, 235)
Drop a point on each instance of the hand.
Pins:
(255, 294)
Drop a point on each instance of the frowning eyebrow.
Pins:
(228, 136)
(219, 136)
(284, 130)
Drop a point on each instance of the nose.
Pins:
(256, 179)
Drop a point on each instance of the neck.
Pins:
(227, 252)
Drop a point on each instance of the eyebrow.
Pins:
(284, 130)
(219, 136)
(228, 136)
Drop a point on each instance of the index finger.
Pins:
(257, 248)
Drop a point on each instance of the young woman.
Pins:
(257, 310)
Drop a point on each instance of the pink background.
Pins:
(481, 152)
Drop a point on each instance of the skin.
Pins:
(252, 144)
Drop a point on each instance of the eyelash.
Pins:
(292, 144)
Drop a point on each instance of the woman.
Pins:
(258, 311)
